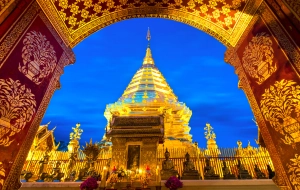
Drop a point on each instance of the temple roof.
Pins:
(148, 84)
(148, 94)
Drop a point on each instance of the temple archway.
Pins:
(262, 46)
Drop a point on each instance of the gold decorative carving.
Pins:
(17, 108)
(278, 103)
(286, 43)
(294, 7)
(39, 57)
(294, 171)
(2, 174)
(75, 21)
(258, 57)
(232, 58)
(3, 3)
(8, 41)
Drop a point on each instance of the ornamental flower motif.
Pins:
(294, 171)
(258, 58)
(216, 14)
(110, 3)
(88, 3)
(191, 4)
(74, 9)
(203, 8)
(39, 57)
(17, 106)
(228, 21)
(72, 20)
(97, 8)
(63, 15)
(213, 3)
(63, 4)
(84, 13)
(278, 104)
(225, 10)
(178, 2)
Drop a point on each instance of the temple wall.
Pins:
(187, 185)
(249, 157)
(267, 62)
(28, 77)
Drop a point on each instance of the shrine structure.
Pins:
(262, 37)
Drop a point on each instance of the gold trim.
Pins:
(12, 181)
(228, 37)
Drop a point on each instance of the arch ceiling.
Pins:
(225, 20)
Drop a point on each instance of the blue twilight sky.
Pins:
(190, 60)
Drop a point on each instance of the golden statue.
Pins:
(226, 172)
(189, 171)
(209, 172)
(167, 167)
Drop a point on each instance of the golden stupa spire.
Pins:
(148, 58)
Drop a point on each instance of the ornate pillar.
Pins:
(32, 57)
(267, 62)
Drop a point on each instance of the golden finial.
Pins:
(148, 37)
(148, 58)
(209, 133)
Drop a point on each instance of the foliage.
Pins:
(89, 184)
(173, 183)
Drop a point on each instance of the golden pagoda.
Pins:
(145, 121)
(148, 108)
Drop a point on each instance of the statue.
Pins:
(43, 164)
(226, 172)
(243, 173)
(271, 172)
(167, 167)
(189, 171)
(83, 172)
(56, 173)
(73, 145)
(91, 171)
(259, 173)
(71, 164)
(209, 172)
(91, 152)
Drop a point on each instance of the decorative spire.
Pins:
(209, 133)
(148, 37)
(148, 58)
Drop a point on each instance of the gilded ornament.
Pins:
(17, 108)
(212, 4)
(216, 14)
(88, 3)
(294, 171)
(280, 105)
(203, 8)
(72, 21)
(74, 9)
(84, 13)
(63, 4)
(97, 8)
(258, 58)
(2, 174)
(191, 4)
(39, 57)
